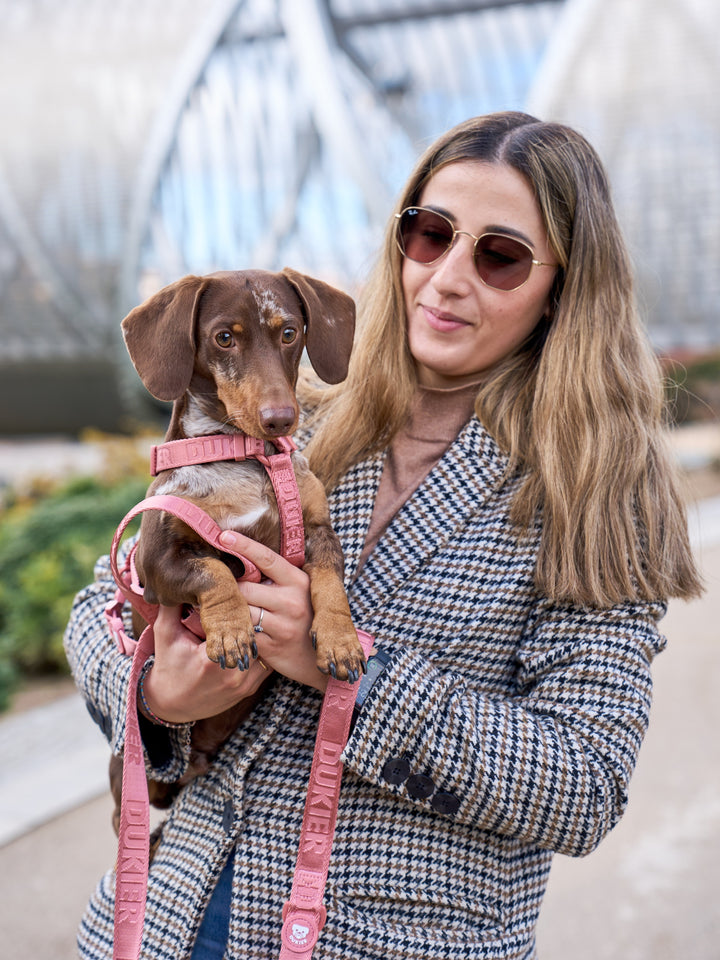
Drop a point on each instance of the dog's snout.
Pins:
(277, 421)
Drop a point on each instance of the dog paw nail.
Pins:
(333, 671)
(313, 637)
(221, 662)
(253, 647)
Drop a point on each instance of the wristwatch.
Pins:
(376, 666)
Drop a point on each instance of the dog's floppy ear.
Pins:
(159, 335)
(330, 322)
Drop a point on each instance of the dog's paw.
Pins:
(337, 648)
(230, 641)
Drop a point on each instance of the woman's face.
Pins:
(459, 328)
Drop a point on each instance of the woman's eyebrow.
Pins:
(491, 228)
(511, 232)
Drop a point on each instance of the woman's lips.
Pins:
(443, 322)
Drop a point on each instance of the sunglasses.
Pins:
(502, 262)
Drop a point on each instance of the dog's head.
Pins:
(234, 341)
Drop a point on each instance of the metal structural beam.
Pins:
(317, 59)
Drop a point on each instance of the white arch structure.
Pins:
(273, 132)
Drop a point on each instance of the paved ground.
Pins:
(650, 892)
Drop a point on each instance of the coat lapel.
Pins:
(452, 493)
(351, 506)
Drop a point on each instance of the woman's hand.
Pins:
(284, 643)
(184, 685)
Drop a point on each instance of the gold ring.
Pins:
(262, 663)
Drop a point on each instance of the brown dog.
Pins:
(225, 349)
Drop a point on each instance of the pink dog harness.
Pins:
(236, 446)
(304, 914)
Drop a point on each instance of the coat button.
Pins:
(100, 719)
(396, 771)
(446, 803)
(420, 787)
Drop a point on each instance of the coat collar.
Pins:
(470, 470)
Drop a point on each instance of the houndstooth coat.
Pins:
(505, 727)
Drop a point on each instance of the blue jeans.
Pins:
(212, 936)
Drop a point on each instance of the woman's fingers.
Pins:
(184, 685)
(271, 564)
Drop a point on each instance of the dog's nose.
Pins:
(277, 421)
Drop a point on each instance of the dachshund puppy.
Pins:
(225, 349)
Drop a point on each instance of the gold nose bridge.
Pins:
(465, 233)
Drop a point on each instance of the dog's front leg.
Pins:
(224, 614)
(335, 639)
(175, 572)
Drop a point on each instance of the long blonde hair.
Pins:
(578, 408)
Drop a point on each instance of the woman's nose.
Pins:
(455, 272)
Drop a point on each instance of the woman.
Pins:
(512, 530)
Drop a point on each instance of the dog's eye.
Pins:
(224, 338)
(289, 335)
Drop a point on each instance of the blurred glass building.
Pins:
(142, 141)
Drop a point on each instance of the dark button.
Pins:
(100, 719)
(419, 786)
(396, 771)
(228, 816)
(446, 803)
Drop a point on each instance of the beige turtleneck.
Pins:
(435, 419)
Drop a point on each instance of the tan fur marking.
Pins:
(225, 615)
(336, 640)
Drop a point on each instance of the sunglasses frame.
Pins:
(451, 244)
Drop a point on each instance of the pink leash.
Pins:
(134, 831)
(304, 914)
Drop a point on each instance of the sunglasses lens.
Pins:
(503, 263)
(424, 236)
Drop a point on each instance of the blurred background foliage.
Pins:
(51, 536)
(693, 387)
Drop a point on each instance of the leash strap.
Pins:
(235, 446)
(131, 874)
(134, 832)
(304, 914)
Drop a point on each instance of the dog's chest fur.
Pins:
(238, 496)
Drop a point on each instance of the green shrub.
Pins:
(48, 548)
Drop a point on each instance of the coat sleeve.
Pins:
(102, 673)
(548, 765)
